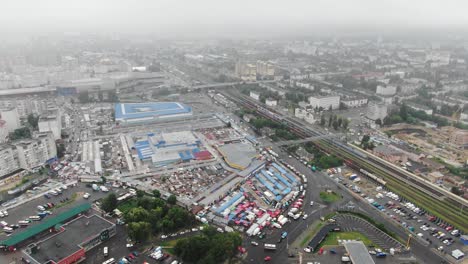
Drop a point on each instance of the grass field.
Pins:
(127, 205)
(329, 197)
(169, 245)
(333, 237)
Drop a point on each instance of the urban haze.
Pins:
(206, 132)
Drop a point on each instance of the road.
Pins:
(319, 181)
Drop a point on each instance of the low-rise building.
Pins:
(352, 102)
(376, 111)
(255, 95)
(459, 138)
(386, 90)
(423, 108)
(325, 102)
(435, 176)
(271, 102)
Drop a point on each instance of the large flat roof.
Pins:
(358, 252)
(153, 109)
(68, 241)
(46, 224)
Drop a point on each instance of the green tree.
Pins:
(109, 203)
(335, 125)
(140, 193)
(33, 121)
(172, 199)
(378, 122)
(345, 123)
(322, 120)
(156, 194)
(136, 214)
(20, 133)
(404, 112)
(340, 121)
(139, 231)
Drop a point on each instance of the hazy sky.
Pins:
(177, 16)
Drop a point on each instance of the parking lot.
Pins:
(423, 227)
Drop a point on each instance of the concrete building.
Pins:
(325, 102)
(303, 84)
(265, 69)
(423, 108)
(271, 102)
(386, 90)
(51, 123)
(435, 176)
(255, 95)
(459, 138)
(8, 161)
(35, 152)
(137, 113)
(246, 71)
(376, 111)
(304, 115)
(3, 131)
(352, 102)
(11, 118)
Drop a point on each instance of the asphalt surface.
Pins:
(318, 181)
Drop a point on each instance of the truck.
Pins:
(95, 187)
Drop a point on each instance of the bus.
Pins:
(35, 218)
(23, 223)
(106, 251)
(270, 246)
(109, 261)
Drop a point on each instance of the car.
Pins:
(307, 250)
(163, 237)
(420, 235)
(5, 213)
(267, 258)
(372, 252)
(131, 256)
(41, 208)
(311, 203)
(86, 195)
(254, 243)
(305, 216)
(2, 215)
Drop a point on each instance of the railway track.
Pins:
(434, 201)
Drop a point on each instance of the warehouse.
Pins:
(137, 113)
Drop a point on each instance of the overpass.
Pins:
(304, 140)
(219, 85)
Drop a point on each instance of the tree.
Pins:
(109, 203)
(335, 125)
(340, 121)
(136, 214)
(139, 231)
(33, 121)
(330, 120)
(172, 199)
(345, 123)
(322, 120)
(20, 133)
(378, 121)
(156, 194)
(365, 140)
(140, 193)
(404, 112)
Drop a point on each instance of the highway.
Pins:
(443, 204)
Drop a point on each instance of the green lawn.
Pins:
(333, 237)
(329, 197)
(127, 205)
(169, 245)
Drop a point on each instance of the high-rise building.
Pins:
(265, 68)
(51, 123)
(11, 118)
(35, 152)
(8, 161)
(246, 71)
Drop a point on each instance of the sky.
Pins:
(222, 16)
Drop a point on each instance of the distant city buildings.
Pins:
(246, 71)
(386, 90)
(255, 95)
(265, 69)
(376, 111)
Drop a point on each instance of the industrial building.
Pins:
(166, 148)
(134, 113)
(72, 241)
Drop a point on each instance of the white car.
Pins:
(2, 215)
(40, 207)
(307, 250)
(372, 252)
(420, 235)
(5, 213)
(163, 237)
(254, 243)
(311, 203)
(305, 216)
(86, 195)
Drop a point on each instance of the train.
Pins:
(373, 177)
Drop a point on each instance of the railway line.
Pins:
(441, 203)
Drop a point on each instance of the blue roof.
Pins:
(141, 110)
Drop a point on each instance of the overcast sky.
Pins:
(177, 16)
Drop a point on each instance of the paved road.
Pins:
(316, 182)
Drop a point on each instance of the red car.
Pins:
(131, 256)
(267, 258)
